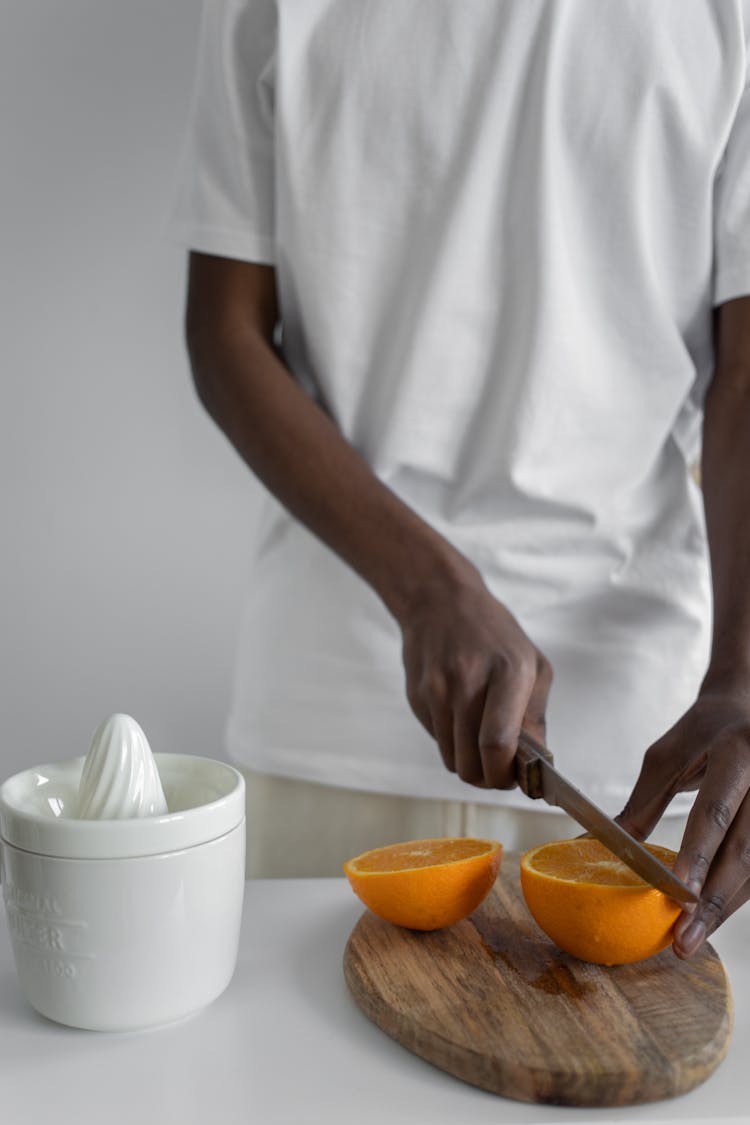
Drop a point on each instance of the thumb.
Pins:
(651, 793)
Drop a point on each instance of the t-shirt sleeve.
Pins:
(224, 198)
(732, 210)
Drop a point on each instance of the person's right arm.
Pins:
(473, 677)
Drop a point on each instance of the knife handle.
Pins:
(528, 774)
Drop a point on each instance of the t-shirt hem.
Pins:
(239, 245)
(732, 283)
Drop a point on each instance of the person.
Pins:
(468, 285)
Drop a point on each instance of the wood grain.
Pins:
(495, 1003)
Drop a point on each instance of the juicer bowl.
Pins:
(118, 925)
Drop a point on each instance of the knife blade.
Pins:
(537, 777)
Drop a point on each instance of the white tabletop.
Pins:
(285, 1043)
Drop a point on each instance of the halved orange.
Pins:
(593, 906)
(425, 884)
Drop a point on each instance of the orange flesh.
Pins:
(420, 853)
(588, 861)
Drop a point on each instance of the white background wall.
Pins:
(126, 517)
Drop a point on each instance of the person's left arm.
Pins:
(708, 749)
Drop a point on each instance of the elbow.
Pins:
(230, 309)
(203, 347)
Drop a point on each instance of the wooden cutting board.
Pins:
(495, 1003)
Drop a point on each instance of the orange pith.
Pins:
(593, 906)
(425, 884)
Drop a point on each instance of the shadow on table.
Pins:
(319, 979)
(15, 1009)
(317, 964)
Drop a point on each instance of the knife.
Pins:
(537, 777)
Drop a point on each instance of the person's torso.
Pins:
(495, 247)
(495, 240)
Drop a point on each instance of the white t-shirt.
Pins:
(499, 228)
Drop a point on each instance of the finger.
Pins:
(434, 693)
(690, 932)
(442, 725)
(686, 945)
(420, 707)
(657, 783)
(722, 792)
(723, 888)
(430, 702)
(535, 718)
(467, 716)
(505, 704)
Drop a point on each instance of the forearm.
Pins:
(726, 491)
(298, 453)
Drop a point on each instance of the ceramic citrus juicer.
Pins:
(123, 880)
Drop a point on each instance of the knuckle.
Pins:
(719, 813)
(527, 668)
(495, 743)
(502, 664)
(699, 865)
(654, 754)
(544, 670)
(517, 666)
(463, 693)
(659, 760)
(535, 717)
(465, 666)
(715, 904)
(435, 685)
